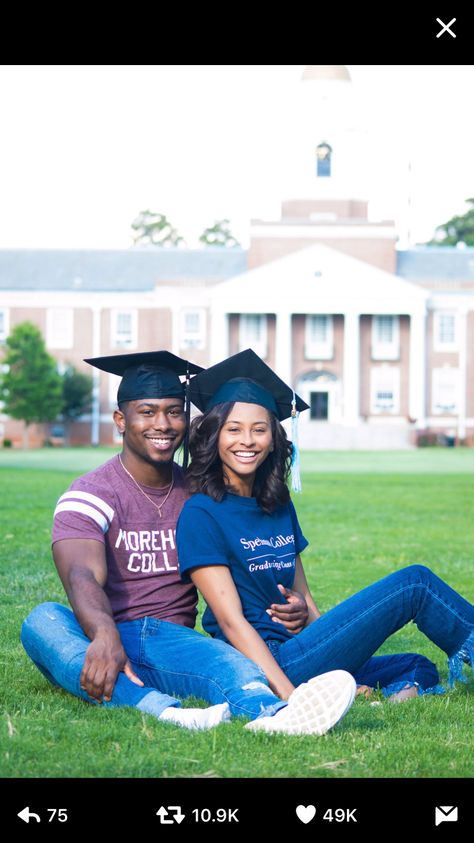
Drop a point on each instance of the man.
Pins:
(130, 639)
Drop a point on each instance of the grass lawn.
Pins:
(365, 516)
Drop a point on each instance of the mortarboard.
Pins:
(148, 374)
(245, 377)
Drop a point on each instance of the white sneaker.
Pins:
(197, 718)
(313, 708)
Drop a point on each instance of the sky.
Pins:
(83, 149)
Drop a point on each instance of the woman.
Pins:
(239, 539)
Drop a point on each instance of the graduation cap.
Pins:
(245, 377)
(148, 374)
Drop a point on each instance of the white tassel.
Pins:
(295, 457)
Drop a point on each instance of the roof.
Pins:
(117, 270)
(436, 263)
(318, 279)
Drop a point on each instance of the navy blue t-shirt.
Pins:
(260, 550)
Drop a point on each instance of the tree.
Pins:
(459, 229)
(155, 230)
(30, 388)
(77, 394)
(219, 235)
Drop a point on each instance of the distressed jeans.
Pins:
(171, 660)
(347, 636)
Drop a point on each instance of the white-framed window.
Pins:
(193, 328)
(445, 390)
(60, 327)
(385, 390)
(253, 333)
(445, 334)
(123, 328)
(4, 323)
(318, 338)
(385, 338)
(113, 385)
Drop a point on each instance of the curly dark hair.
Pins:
(205, 473)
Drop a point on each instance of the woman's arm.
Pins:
(300, 584)
(218, 589)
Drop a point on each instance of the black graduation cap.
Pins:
(244, 377)
(148, 374)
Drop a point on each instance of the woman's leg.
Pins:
(55, 642)
(348, 635)
(394, 673)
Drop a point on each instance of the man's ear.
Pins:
(119, 419)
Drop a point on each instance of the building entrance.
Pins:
(319, 405)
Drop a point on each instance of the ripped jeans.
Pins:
(171, 660)
(348, 635)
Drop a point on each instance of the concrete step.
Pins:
(368, 436)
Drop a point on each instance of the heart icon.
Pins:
(305, 813)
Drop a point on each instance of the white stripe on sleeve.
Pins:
(84, 509)
(86, 496)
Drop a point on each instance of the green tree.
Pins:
(155, 230)
(77, 395)
(30, 386)
(219, 234)
(459, 229)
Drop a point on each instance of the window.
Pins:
(319, 337)
(445, 390)
(124, 328)
(385, 390)
(444, 332)
(60, 327)
(4, 324)
(253, 333)
(323, 160)
(385, 338)
(193, 328)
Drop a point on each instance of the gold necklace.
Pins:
(159, 507)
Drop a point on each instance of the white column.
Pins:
(96, 350)
(417, 373)
(462, 337)
(175, 329)
(283, 367)
(218, 333)
(351, 373)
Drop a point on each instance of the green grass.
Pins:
(365, 516)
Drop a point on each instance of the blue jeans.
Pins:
(347, 636)
(171, 660)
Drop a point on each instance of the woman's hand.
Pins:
(293, 614)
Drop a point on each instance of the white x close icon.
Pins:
(445, 27)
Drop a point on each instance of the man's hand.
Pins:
(293, 614)
(105, 658)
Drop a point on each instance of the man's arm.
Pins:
(293, 614)
(301, 585)
(82, 567)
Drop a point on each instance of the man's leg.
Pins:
(57, 645)
(182, 662)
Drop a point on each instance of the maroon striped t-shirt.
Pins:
(142, 563)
